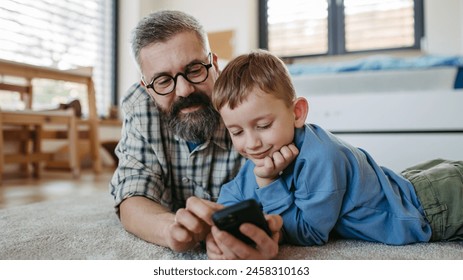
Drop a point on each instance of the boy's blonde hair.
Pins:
(258, 69)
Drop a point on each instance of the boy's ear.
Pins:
(301, 110)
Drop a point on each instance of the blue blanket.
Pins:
(376, 63)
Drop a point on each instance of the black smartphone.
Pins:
(230, 218)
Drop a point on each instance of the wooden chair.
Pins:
(27, 129)
(36, 127)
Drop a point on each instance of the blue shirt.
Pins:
(335, 186)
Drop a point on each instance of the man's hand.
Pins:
(224, 246)
(269, 168)
(180, 238)
(191, 224)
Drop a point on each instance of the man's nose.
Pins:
(183, 88)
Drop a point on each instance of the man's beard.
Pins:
(197, 126)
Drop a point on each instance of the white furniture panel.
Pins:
(395, 111)
(399, 151)
(398, 127)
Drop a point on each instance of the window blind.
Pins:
(313, 27)
(62, 34)
(297, 27)
(378, 24)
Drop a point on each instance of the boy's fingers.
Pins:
(293, 149)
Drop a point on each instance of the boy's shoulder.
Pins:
(314, 141)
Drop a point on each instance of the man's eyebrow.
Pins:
(156, 75)
(195, 61)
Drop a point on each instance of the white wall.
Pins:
(129, 15)
(443, 27)
(238, 15)
(461, 27)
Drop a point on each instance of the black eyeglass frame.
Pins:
(183, 74)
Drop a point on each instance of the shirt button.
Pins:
(185, 180)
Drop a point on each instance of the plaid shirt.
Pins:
(158, 165)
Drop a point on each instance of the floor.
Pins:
(51, 185)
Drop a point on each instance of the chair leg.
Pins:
(37, 149)
(74, 162)
(2, 153)
(25, 149)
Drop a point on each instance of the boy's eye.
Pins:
(264, 126)
(236, 132)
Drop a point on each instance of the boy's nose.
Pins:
(253, 142)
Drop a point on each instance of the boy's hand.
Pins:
(269, 168)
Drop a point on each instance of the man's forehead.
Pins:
(171, 56)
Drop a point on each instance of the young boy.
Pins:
(318, 183)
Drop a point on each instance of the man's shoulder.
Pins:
(135, 95)
(137, 101)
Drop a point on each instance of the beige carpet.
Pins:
(86, 228)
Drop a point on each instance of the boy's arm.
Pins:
(309, 199)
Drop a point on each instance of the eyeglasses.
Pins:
(196, 73)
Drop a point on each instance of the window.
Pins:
(292, 28)
(61, 34)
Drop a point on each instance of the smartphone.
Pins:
(230, 218)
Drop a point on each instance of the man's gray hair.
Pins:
(161, 26)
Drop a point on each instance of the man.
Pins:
(175, 153)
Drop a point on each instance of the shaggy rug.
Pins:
(86, 228)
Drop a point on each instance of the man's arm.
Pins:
(139, 172)
(156, 224)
